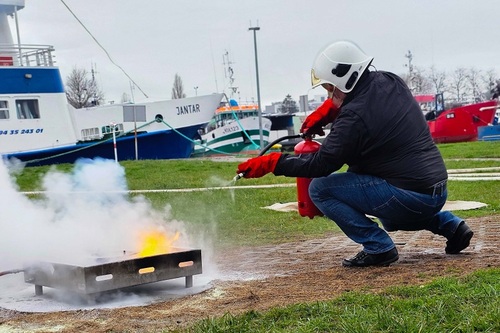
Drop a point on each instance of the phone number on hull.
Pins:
(22, 131)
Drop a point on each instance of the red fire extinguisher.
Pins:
(305, 204)
(307, 146)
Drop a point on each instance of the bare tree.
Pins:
(474, 79)
(495, 91)
(82, 91)
(178, 88)
(438, 79)
(464, 83)
(459, 84)
(492, 84)
(421, 82)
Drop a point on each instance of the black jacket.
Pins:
(380, 131)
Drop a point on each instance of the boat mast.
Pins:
(229, 74)
(410, 71)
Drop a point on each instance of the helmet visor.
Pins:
(315, 81)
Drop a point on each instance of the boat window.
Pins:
(90, 134)
(27, 109)
(4, 110)
(109, 129)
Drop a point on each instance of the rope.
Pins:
(147, 124)
(173, 190)
(102, 47)
(191, 140)
(239, 124)
(213, 149)
(87, 146)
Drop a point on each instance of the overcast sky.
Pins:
(153, 40)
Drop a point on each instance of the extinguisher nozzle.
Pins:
(238, 176)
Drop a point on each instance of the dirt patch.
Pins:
(291, 273)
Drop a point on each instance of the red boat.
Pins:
(458, 124)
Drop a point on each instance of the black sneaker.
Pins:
(460, 239)
(363, 259)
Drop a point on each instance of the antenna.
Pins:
(93, 71)
(229, 73)
(409, 55)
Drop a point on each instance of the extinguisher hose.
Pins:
(266, 148)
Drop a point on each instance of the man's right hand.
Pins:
(322, 116)
(258, 166)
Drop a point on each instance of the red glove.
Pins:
(259, 166)
(322, 116)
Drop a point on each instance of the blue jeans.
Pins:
(346, 197)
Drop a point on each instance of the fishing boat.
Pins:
(38, 125)
(234, 129)
(458, 123)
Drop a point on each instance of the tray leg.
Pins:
(189, 281)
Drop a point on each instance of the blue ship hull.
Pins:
(157, 145)
(488, 133)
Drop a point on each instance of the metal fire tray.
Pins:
(105, 274)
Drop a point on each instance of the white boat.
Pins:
(39, 126)
(235, 129)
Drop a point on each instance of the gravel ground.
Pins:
(260, 278)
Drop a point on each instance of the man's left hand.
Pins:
(322, 116)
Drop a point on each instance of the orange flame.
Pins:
(156, 241)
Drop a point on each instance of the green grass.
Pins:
(235, 217)
(469, 304)
(477, 149)
(467, 164)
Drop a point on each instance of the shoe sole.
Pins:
(386, 263)
(464, 243)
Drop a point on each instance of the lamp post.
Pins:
(255, 29)
(196, 91)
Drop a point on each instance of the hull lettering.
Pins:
(21, 131)
(187, 109)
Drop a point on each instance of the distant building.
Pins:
(305, 104)
(273, 108)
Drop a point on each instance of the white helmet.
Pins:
(341, 64)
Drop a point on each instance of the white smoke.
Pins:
(83, 214)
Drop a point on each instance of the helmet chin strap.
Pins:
(336, 100)
(330, 94)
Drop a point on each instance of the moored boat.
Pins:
(38, 126)
(234, 129)
(459, 123)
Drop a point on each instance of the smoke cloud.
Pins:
(83, 214)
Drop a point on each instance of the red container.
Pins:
(306, 206)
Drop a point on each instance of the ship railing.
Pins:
(27, 55)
